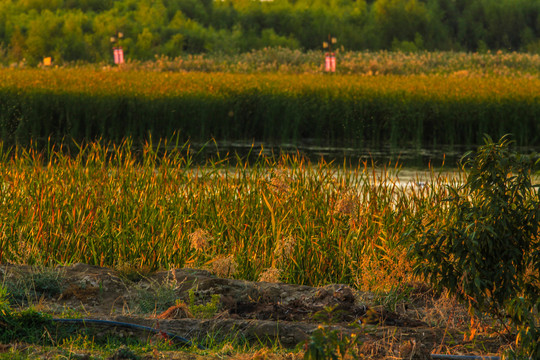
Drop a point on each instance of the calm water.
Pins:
(406, 157)
(413, 163)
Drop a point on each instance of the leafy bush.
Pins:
(204, 311)
(487, 252)
(40, 282)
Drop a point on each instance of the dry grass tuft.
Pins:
(178, 311)
(285, 248)
(200, 239)
(224, 266)
(270, 275)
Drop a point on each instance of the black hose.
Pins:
(170, 336)
(463, 357)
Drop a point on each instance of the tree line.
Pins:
(86, 30)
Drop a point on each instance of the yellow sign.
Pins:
(47, 61)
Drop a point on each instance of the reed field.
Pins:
(270, 218)
(415, 110)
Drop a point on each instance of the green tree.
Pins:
(196, 37)
(44, 37)
(76, 26)
(354, 34)
(279, 16)
(80, 30)
(145, 45)
(17, 45)
(507, 20)
(174, 45)
(41, 5)
(198, 10)
(150, 14)
(89, 5)
(438, 32)
(471, 29)
(400, 19)
(318, 19)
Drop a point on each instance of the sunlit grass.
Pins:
(308, 223)
(413, 110)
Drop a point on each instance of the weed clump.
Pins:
(270, 275)
(193, 309)
(155, 298)
(40, 282)
(224, 266)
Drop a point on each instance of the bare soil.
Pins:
(262, 312)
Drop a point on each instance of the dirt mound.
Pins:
(180, 302)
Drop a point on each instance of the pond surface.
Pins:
(420, 158)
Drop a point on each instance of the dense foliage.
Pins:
(487, 250)
(484, 250)
(71, 30)
(330, 110)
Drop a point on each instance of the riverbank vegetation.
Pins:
(284, 60)
(415, 110)
(281, 219)
(284, 217)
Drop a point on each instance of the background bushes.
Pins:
(81, 30)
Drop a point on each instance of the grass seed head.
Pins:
(285, 248)
(280, 182)
(200, 239)
(224, 266)
(270, 275)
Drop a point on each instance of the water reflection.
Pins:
(421, 158)
(406, 157)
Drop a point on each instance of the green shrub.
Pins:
(203, 311)
(487, 252)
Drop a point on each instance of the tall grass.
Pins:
(413, 110)
(303, 222)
